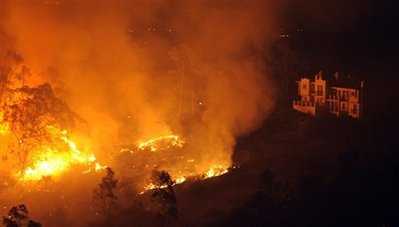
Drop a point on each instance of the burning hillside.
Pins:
(128, 86)
(35, 140)
(34, 129)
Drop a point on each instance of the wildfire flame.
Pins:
(211, 172)
(55, 159)
(173, 141)
(54, 152)
(4, 126)
(53, 162)
(215, 171)
(161, 143)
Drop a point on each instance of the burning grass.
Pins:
(161, 143)
(32, 122)
(50, 161)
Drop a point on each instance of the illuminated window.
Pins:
(355, 110)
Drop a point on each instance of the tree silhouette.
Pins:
(104, 194)
(18, 216)
(164, 196)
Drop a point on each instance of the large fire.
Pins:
(52, 152)
(139, 88)
(55, 153)
(51, 162)
(33, 137)
(50, 159)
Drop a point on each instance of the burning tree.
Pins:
(165, 197)
(29, 113)
(104, 194)
(26, 112)
(18, 217)
(33, 123)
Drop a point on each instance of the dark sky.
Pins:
(328, 17)
(350, 29)
(355, 37)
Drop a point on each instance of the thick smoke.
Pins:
(138, 70)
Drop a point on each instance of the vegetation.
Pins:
(18, 217)
(164, 197)
(104, 194)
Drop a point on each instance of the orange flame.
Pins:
(4, 126)
(215, 171)
(161, 143)
(52, 162)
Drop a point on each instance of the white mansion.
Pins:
(318, 96)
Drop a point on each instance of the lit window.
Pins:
(354, 110)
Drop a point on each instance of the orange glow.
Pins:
(215, 171)
(50, 161)
(51, 167)
(122, 93)
(99, 167)
(161, 143)
(180, 180)
(182, 170)
(211, 172)
(4, 126)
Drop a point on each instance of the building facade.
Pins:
(316, 96)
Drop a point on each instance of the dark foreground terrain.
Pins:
(322, 172)
(297, 170)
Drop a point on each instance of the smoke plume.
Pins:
(137, 70)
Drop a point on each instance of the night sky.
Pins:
(357, 38)
(354, 32)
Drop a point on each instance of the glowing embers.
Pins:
(161, 143)
(56, 158)
(152, 186)
(215, 171)
(4, 126)
(52, 163)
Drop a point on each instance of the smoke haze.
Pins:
(160, 64)
(137, 70)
